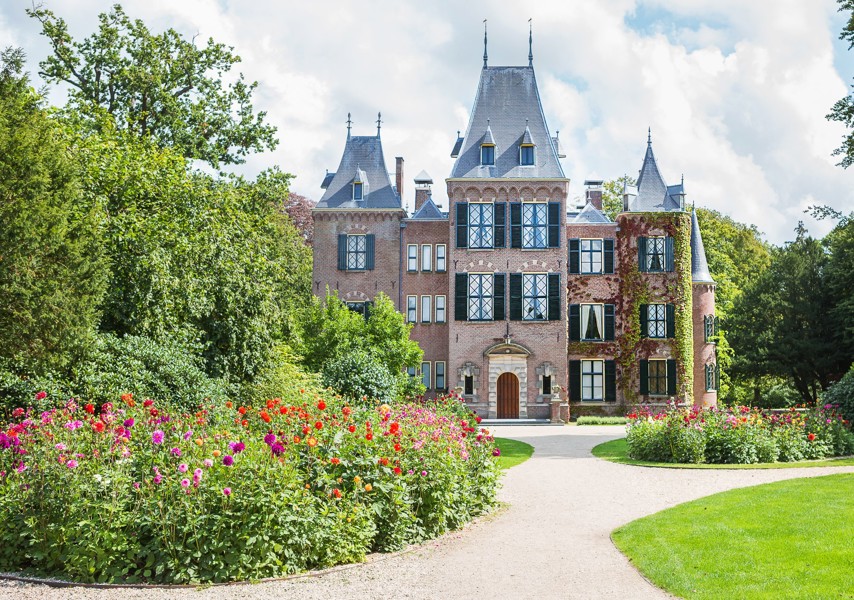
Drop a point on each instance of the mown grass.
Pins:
(790, 539)
(594, 420)
(617, 451)
(513, 452)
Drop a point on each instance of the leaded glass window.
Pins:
(481, 219)
(709, 326)
(656, 320)
(655, 254)
(592, 380)
(592, 323)
(591, 256)
(535, 224)
(357, 252)
(535, 291)
(657, 376)
(480, 296)
(711, 378)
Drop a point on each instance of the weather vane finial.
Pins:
(484, 44)
(349, 124)
(649, 135)
(379, 122)
(530, 43)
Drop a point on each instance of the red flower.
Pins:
(811, 437)
(397, 470)
(346, 411)
(318, 425)
(394, 427)
(229, 404)
(306, 430)
(336, 492)
(321, 405)
(242, 410)
(265, 417)
(147, 403)
(397, 447)
(18, 412)
(153, 412)
(98, 426)
(41, 395)
(89, 408)
(335, 460)
(383, 461)
(270, 404)
(352, 428)
(369, 436)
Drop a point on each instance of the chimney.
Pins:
(398, 176)
(593, 193)
(422, 189)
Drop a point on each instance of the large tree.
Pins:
(157, 85)
(843, 110)
(52, 268)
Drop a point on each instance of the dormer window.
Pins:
(526, 155)
(487, 154)
(357, 190)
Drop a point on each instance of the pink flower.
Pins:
(158, 478)
(176, 452)
(227, 460)
(41, 395)
(197, 474)
(226, 491)
(183, 467)
(71, 464)
(185, 483)
(208, 463)
(60, 446)
(136, 485)
(72, 425)
(157, 437)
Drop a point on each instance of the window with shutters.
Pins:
(592, 380)
(535, 288)
(712, 383)
(360, 307)
(657, 377)
(591, 256)
(487, 154)
(480, 296)
(592, 322)
(481, 220)
(412, 257)
(440, 309)
(441, 258)
(655, 254)
(535, 223)
(425, 374)
(426, 257)
(526, 155)
(656, 320)
(440, 375)
(426, 308)
(357, 252)
(411, 309)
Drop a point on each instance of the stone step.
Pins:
(518, 422)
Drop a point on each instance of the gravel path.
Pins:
(551, 542)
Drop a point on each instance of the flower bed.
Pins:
(131, 493)
(737, 435)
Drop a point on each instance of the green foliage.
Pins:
(612, 195)
(843, 110)
(595, 420)
(841, 394)
(113, 494)
(839, 280)
(157, 86)
(19, 386)
(52, 268)
(360, 378)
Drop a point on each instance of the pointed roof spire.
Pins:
(379, 122)
(530, 44)
(484, 44)
(349, 125)
(699, 265)
(649, 136)
(487, 137)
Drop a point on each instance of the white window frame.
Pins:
(656, 318)
(428, 372)
(411, 309)
(412, 257)
(584, 313)
(441, 305)
(441, 258)
(658, 378)
(531, 230)
(436, 375)
(593, 380)
(589, 251)
(426, 308)
(426, 257)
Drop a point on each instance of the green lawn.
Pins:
(513, 452)
(790, 539)
(616, 450)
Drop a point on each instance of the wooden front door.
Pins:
(508, 396)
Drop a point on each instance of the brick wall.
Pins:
(704, 353)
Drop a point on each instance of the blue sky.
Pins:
(735, 92)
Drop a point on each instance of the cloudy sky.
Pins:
(735, 91)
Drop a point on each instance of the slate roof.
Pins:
(429, 210)
(699, 265)
(507, 97)
(590, 214)
(363, 154)
(423, 178)
(652, 193)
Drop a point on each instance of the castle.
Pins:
(528, 307)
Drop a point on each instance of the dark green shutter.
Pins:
(671, 377)
(461, 297)
(515, 224)
(575, 256)
(610, 381)
(668, 254)
(717, 377)
(609, 322)
(670, 323)
(644, 377)
(499, 228)
(575, 381)
(574, 322)
(717, 325)
(644, 314)
(498, 297)
(554, 296)
(462, 225)
(608, 246)
(369, 247)
(554, 224)
(642, 253)
(342, 251)
(515, 296)
(369, 306)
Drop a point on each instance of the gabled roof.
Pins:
(327, 179)
(590, 214)
(652, 193)
(699, 266)
(429, 210)
(506, 98)
(362, 154)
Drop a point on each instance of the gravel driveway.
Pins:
(551, 542)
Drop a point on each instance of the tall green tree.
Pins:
(612, 195)
(839, 279)
(160, 86)
(843, 110)
(52, 267)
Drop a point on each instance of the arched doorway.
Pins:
(508, 396)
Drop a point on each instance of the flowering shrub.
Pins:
(133, 493)
(737, 435)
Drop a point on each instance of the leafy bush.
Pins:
(841, 394)
(594, 420)
(131, 492)
(359, 376)
(18, 387)
(737, 435)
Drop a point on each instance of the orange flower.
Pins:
(216, 453)
(199, 441)
(368, 487)
(242, 410)
(311, 442)
(296, 439)
(335, 460)
(229, 404)
(265, 416)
